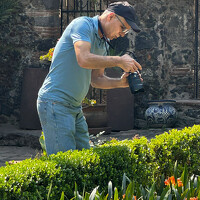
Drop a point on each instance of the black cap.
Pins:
(125, 10)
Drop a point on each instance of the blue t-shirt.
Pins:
(66, 80)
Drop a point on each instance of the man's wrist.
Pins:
(118, 61)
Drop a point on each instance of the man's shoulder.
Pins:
(85, 23)
(85, 19)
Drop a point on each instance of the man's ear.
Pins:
(111, 16)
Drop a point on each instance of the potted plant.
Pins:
(95, 114)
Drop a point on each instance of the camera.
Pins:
(135, 83)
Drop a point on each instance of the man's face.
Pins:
(116, 26)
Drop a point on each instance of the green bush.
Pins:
(182, 146)
(21, 181)
(88, 168)
(140, 165)
(142, 161)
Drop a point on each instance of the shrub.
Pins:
(21, 181)
(140, 165)
(181, 145)
(88, 168)
(143, 162)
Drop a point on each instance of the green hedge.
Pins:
(141, 160)
(181, 145)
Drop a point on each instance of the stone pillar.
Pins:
(45, 23)
(46, 18)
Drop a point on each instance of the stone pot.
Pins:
(161, 114)
(96, 116)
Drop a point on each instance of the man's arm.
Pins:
(88, 60)
(100, 80)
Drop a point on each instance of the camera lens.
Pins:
(135, 83)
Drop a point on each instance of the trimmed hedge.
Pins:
(181, 145)
(141, 160)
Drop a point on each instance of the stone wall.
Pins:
(25, 36)
(165, 49)
(188, 112)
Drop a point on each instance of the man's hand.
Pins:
(124, 80)
(128, 64)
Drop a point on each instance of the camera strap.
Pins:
(104, 37)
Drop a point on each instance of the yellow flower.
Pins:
(48, 56)
(90, 102)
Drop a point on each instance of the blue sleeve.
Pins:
(81, 31)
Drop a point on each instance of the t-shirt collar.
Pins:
(95, 19)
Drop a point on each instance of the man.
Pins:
(79, 60)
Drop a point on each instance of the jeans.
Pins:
(64, 126)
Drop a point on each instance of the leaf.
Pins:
(83, 191)
(184, 177)
(116, 196)
(198, 195)
(87, 196)
(176, 193)
(124, 184)
(106, 197)
(62, 196)
(143, 192)
(195, 182)
(151, 192)
(129, 191)
(92, 195)
(162, 184)
(170, 197)
(198, 184)
(77, 195)
(49, 192)
(110, 190)
(39, 194)
(165, 192)
(175, 172)
(184, 194)
(188, 196)
(42, 143)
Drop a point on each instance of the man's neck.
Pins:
(99, 31)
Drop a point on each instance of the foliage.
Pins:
(89, 102)
(17, 181)
(42, 143)
(145, 163)
(7, 8)
(181, 145)
(88, 168)
(140, 165)
(173, 188)
(183, 188)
